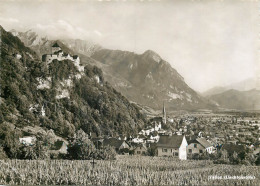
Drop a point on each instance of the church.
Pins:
(158, 122)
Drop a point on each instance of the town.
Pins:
(183, 135)
(186, 136)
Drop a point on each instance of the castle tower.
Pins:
(55, 48)
(164, 115)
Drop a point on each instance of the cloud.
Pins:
(9, 20)
(63, 29)
(98, 33)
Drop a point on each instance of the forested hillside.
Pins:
(58, 96)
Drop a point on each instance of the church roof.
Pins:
(55, 45)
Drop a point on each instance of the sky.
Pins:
(210, 43)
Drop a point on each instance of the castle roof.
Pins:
(58, 52)
(55, 45)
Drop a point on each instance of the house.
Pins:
(140, 149)
(232, 141)
(174, 145)
(139, 139)
(156, 123)
(153, 139)
(199, 146)
(116, 144)
(243, 134)
(28, 140)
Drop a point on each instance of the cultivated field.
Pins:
(126, 170)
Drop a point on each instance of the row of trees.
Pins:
(83, 148)
(223, 157)
(80, 148)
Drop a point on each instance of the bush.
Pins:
(151, 151)
(107, 153)
(124, 151)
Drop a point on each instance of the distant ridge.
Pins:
(240, 100)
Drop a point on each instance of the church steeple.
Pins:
(164, 115)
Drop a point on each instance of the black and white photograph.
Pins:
(130, 92)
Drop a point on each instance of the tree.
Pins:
(10, 140)
(37, 151)
(81, 147)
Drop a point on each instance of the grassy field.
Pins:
(126, 170)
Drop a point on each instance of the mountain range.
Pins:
(245, 85)
(145, 78)
(243, 95)
(239, 100)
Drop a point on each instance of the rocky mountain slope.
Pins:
(214, 90)
(148, 79)
(241, 100)
(41, 45)
(59, 95)
(81, 46)
(145, 79)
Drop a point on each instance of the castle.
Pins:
(57, 53)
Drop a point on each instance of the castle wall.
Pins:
(48, 58)
(55, 49)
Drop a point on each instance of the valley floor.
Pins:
(126, 170)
